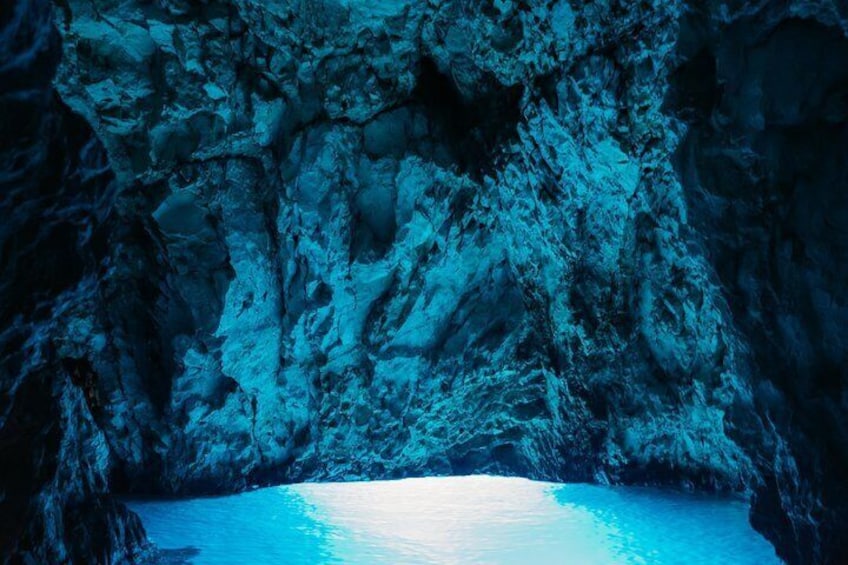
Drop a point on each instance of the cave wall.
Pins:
(327, 240)
(56, 188)
(765, 180)
(425, 238)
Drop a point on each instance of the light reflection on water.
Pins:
(477, 519)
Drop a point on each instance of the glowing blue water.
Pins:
(455, 520)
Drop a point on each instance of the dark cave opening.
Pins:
(695, 91)
(466, 126)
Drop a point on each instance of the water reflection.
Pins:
(457, 520)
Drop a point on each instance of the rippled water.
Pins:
(454, 520)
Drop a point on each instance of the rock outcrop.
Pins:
(325, 239)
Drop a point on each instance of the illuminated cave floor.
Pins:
(476, 519)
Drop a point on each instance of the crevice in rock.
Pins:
(474, 130)
(694, 92)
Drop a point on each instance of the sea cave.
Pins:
(424, 281)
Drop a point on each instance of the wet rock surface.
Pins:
(255, 242)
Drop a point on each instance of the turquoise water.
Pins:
(491, 520)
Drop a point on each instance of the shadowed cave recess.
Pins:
(250, 243)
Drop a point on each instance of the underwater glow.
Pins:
(478, 519)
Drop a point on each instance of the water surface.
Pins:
(491, 520)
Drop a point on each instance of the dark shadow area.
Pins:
(695, 92)
(474, 130)
(763, 169)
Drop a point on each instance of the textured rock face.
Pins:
(422, 238)
(55, 192)
(330, 240)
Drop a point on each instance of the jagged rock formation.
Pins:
(330, 239)
(55, 192)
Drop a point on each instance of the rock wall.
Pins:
(766, 184)
(423, 238)
(56, 189)
(566, 240)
